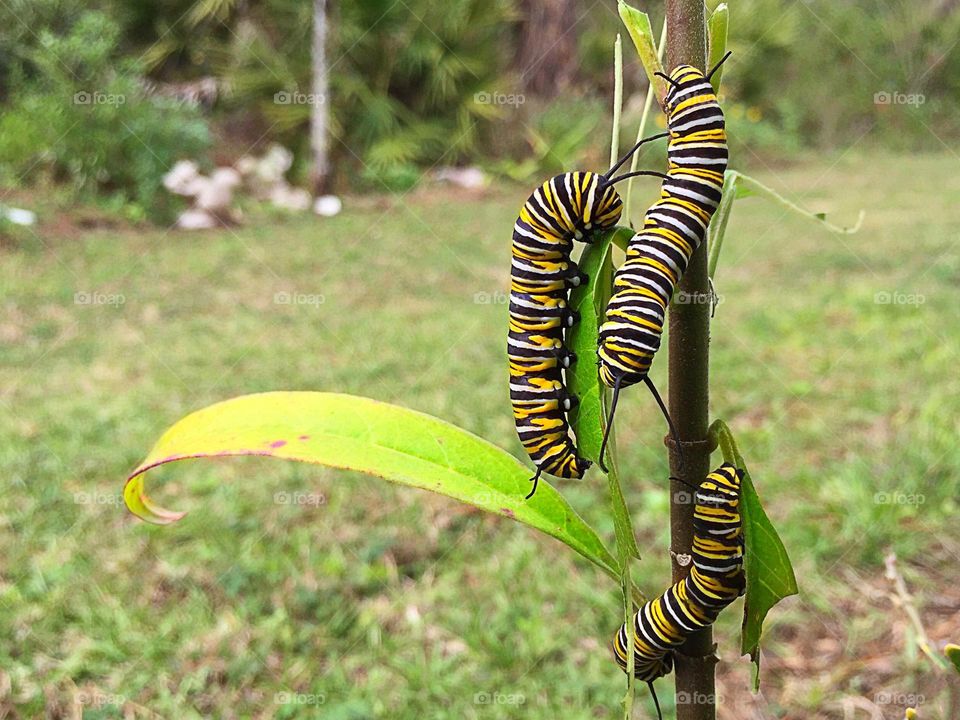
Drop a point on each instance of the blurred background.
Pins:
(200, 199)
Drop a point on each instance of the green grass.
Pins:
(386, 602)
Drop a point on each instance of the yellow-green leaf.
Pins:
(387, 441)
(641, 32)
(717, 33)
(590, 417)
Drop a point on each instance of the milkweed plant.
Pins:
(413, 449)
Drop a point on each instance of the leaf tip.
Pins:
(139, 504)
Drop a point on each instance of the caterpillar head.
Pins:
(600, 207)
(685, 82)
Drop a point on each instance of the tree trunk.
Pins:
(319, 107)
(547, 54)
(689, 396)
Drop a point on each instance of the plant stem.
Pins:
(617, 99)
(689, 395)
(647, 104)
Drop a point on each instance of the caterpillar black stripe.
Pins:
(673, 228)
(567, 208)
(715, 581)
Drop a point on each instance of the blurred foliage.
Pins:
(420, 83)
(84, 118)
(414, 83)
(826, 74)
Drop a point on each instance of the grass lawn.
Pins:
(834, 359)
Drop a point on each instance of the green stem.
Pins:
(689, 344)
(617, 100)
(720, 436)
(647, 104)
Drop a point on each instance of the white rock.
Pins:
(470, 178)
(196, 220)
(327, 205)
(289, 198)
(180, 178)
(18, 216)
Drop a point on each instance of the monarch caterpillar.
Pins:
(673, 229)
(715, 581)
(568, 207)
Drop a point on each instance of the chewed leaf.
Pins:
(770, 576)
(387, 441)
(641, 32)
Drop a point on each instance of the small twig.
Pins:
(904, 600)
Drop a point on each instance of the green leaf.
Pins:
(953, 655)
(747, 184)
(736, 186)
(717, 32)
(590, 417)
(590, 301)
(641, 32)
(717, 230)
(770, 576)
(387, 441)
